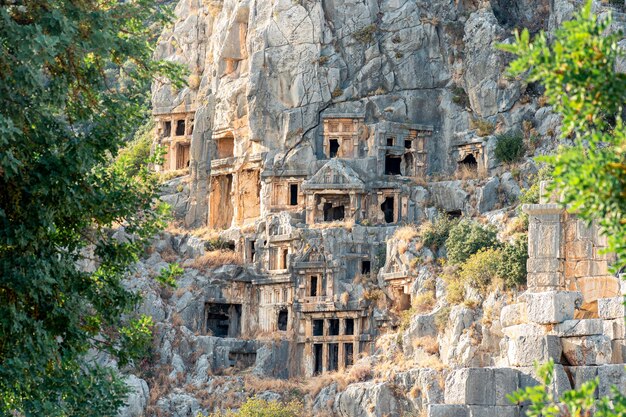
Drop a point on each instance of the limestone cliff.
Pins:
(311, 133)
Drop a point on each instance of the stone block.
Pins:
(552, 306)
(494, 411)
(506, 381)
(531, 329)
(582, 374)
(513, 314)
(611, 375)
(545, 240)
(536, 265)
(447, 410)
(614, 329)
(470, 386)
(618, 347)
(611, 308)
(526, 350)
(587, 350)
(560, 380)
(584, 327)
(579, 249)
(546, 280)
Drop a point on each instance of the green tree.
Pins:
(73, 83)
(577, 69)
(466, 238)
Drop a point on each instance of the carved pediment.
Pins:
(335, 174)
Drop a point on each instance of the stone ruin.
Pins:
(572, 312)
(279, 220)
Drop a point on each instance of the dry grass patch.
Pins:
(216, 258)
(406, 233)
(345, 224)
(424, 303)
(428, 343)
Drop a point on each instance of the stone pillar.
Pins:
(545, 247)
(200, 167)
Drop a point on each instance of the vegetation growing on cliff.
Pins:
(73, 78)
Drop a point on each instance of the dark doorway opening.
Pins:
(389, 141)
(293, 194)
(349, 326)
(180, 128)
(333, 147)
(366, 267)
(348, 352)
(167, 129)
(241, 360)
(388, 208)
(318, 327)
(333, 327)
(392, 165)
(317, 358)
(285, 254)
(469, 162)
(333, 356)
(222, 320)
(313, 286)
(454, 214)
(408, 144)
(333, 213)
(283, 317)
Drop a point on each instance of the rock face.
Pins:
(309, 133)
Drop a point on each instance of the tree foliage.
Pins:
(578, 70)
(466, 238)
(576, 403)
(73, 83)
(509, 146)
(257, 407)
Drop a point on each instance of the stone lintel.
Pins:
(542, 209)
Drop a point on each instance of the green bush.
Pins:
(510, 146)
(481, 269)
(512, 266)
(257, 407)
(434, 235)
(466, 238)
(136, 153)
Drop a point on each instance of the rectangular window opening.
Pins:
(167, 129)
(283, 317)
(333, 213)
(392, 165)
(333, 327)
(293, 194)
(333, 148)
(366, 267)
(388, 209)
(317, 358)
(389, 141)
(333, 356)
(180, 128)
(349, 327)
(318, 327)
(348, 352)
(313, 286)
(408, 144)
